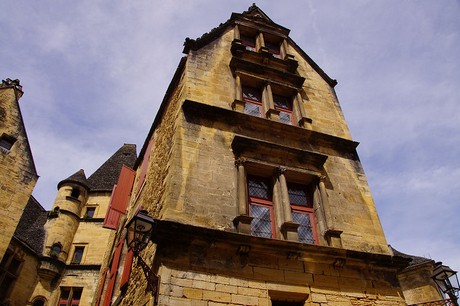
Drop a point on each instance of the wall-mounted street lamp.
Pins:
(447, 281)
(140, 229)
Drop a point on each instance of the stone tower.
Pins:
(63, 222)
(255, 185)
(17, 169)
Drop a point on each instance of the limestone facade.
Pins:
(17, 170)
(243, 128)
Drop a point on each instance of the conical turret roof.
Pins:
(78, 177)
(104, 178)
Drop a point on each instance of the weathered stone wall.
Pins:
(417, 285)
(95, 239)
(17, 172)
(28, 278)
(202, 179)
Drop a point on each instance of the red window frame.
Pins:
(306, 209)
(254, 91)
(68, 296)
(283, 109)
(264, 202)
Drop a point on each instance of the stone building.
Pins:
(17, 169)
(253, 181)
(255, 185)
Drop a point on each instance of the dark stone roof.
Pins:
(104, 178)
(78, 177)
(415, 260)
(30, 230)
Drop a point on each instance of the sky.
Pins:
(94, 74)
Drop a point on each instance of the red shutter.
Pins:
(101, 287)
(127, 268)
(113, 274)
(145, 165)
(120, 197)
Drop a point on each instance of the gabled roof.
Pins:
(104, 178)
(255, 15)
(30, 230)
(78, 177)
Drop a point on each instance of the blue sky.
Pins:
(95, 72)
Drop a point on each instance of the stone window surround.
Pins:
(6, 142)
(75, 246)
(70, 298)
(286, 228)
(268, 106)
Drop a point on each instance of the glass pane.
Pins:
(305, 231)
(90, 212)
(251, 93)
(249, 42)
(252, 109)
(261, 225)
(282, 102)
(77, 255)
(297, 195)
(285, 118)
(259, 188)
(14, 266)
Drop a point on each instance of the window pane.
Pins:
(248, 41)
(259, 188)
(14, 266)
(297, 195)
(77, 255)
(282, 102)
(251, 93)
(261, 225)
(90, 212)
(285, 118)
(252, 109)
(305, 230)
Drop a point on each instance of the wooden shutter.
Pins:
(120, 197)
(127, 268)
(113, 274)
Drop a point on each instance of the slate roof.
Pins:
(104, 178)
(78, 177)
(30, 229)
(416, 260)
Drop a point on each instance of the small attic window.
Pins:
(6, 141)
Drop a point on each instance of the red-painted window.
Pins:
(70, 296)
(248, 41)
(284, 106)
(261, 207)
(253, 98)
(303, 213)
